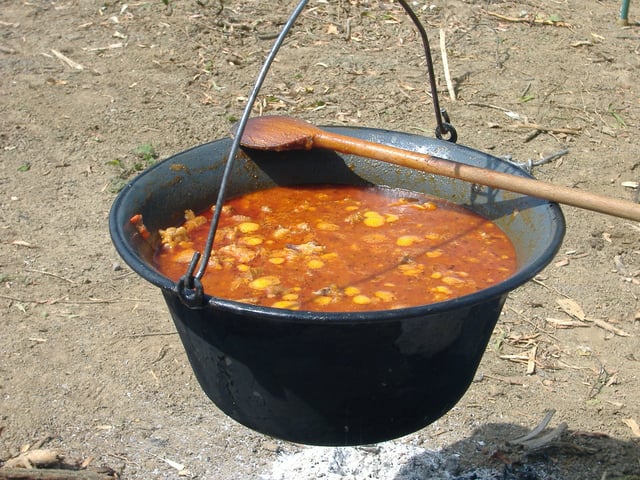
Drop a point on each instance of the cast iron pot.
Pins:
(332, 378)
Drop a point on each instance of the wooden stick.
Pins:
(51, 474)
(67, 60)
(535, 126)
(538, 21)
(445, 66)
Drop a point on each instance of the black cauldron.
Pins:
(332, 378)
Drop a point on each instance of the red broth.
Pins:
(341, 248)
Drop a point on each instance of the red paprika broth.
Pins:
(341, 248)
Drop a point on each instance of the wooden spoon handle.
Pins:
(478, 175)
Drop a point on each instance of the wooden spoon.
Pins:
(279, 133)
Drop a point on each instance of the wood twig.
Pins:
(508, 380)
(43, 272)
(445, 65)
(608, 327)
(67, 60)
(553, 289)
(535, 126)
(529, 20)
(536, 431)
(155, 334)
(536, 439)
(488, 105)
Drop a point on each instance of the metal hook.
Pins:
(443, 127)
(189, 288)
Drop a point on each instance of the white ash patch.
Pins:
(340, 463)
(387, 461)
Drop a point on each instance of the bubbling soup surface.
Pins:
(341, 248)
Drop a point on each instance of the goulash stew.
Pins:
(340, 248)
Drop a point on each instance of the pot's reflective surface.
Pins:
(331, 378)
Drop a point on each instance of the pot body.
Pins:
(332, 378)
(324, 383)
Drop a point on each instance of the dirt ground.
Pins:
(94, 91)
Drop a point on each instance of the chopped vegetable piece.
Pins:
(262, 283)
(374, 221)
(385, 296)
(248, 227)
(315, 263)
(136, 220)
(407, 240)
(351, 291)
(288, 304)
(253, 240)
(361, 300)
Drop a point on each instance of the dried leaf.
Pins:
(332, 30)
(633, 425)
(571, 308)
